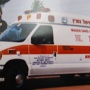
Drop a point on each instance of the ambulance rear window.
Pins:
(17, 32)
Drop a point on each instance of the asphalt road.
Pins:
(56, 83)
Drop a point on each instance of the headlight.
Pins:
(1, 67)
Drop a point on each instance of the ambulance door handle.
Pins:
(54, 54)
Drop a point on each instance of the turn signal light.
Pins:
(0, 55)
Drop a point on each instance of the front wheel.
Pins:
(15, 78)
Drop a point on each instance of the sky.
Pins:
(14, 8)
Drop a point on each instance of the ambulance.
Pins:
(44, 43)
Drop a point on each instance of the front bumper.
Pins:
(1, 70)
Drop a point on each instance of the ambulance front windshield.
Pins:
(17, 32)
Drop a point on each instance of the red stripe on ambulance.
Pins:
(73, 49)
(22, 48)
(43, 49)
(47, 49)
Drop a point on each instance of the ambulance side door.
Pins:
(43, 51)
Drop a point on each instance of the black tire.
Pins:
(15, 78)
(67, 76)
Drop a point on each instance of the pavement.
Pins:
(56, 83)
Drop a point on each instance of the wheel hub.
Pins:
(19, 80)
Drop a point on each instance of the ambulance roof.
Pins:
(55, 18)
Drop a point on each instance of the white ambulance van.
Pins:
(44, 43)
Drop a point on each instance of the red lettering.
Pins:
(89, 38)
(87, 56)
(78, 38)
(73, 20)
(80, 30)
(76, 21)
(86, 22)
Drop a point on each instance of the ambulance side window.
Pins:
(43, 35)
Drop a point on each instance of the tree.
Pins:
(2, 2)
(3, 24)
(37, 5)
